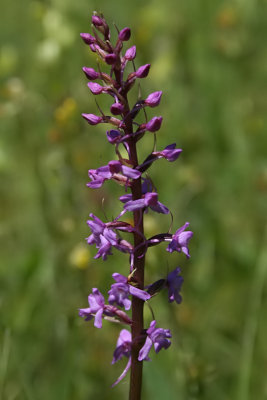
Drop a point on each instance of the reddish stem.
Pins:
(139, 263)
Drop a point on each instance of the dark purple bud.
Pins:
(95, 87)
(154, 124)
(87, 38)
(97, 21)
(91, 73)
(92, 119)
(125, 34)
(116, 108)
(130, 53)
(142, 71)
(113, 136)
(111, 59)
(153, 99)
(93, 47)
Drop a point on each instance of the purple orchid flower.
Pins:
(150, 199)
(123, 348)
(98, 309)
(174, 283)
(104, 237)
(157, 336)
(180, 240)
(114, 170)
(97, 304)
(170, 153)
(121, 290)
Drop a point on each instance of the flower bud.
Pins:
(130, 53)
(153, 99)
(87, 38)
(154, 124)
(111, 59)
(92, 119)
(116, 108)
(91, 73)
(125, 34)
(143, 71)
(95, 87)
(97, 21)
(93, 47)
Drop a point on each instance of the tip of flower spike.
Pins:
(97, 21)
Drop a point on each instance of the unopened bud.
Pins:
(130, 53)
(111, 59)
(153, 99)
(116, 108)
(143, 71)
(125, 34)
(97, 21)
(154, 124)
(95, 87)
(87, 38)
(92, 119)
(91, 73)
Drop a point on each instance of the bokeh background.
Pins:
(210, 60)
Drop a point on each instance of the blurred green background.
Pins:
(210, 60)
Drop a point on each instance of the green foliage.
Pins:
(209, 58)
